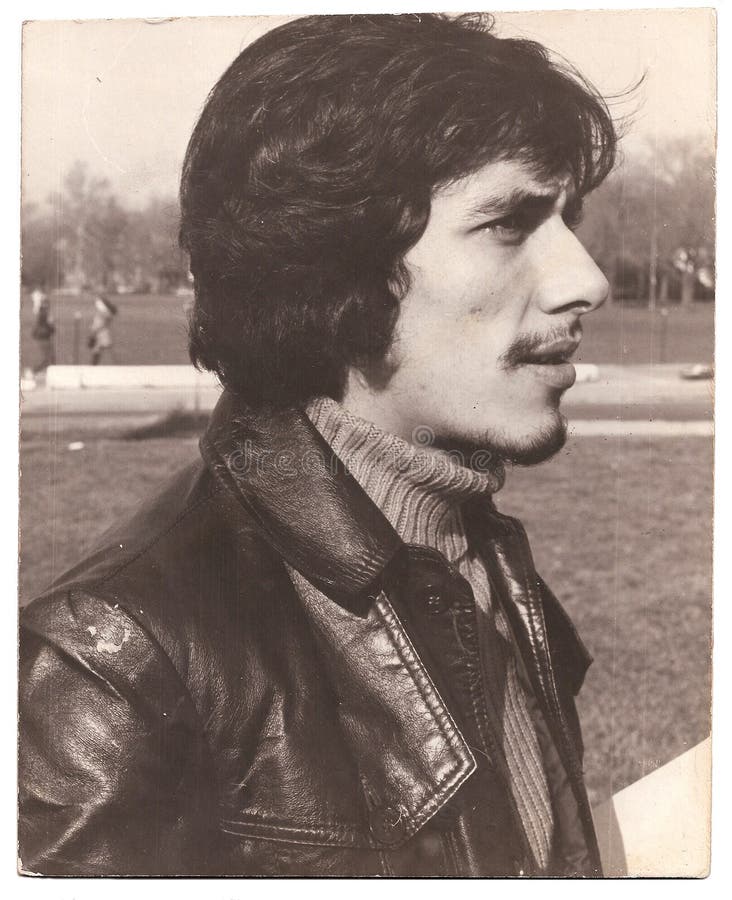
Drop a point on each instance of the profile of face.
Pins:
(481, 349)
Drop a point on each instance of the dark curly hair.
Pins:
(310, 171)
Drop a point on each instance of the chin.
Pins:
(522, 447)
(535, 447)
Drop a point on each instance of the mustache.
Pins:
(524, 347)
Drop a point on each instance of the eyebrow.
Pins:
(518, 200)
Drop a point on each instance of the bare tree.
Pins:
(653, 220)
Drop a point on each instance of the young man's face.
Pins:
(498, 285)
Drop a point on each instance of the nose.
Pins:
(567, 278)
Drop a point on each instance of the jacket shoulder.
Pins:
(97, 638)
(189, 569)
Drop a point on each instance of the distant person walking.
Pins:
(100, 336)
(37, 297)
(43, 331)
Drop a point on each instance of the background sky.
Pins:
(123, 95)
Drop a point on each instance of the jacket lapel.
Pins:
(386, 696)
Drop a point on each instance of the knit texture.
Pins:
(422, 493)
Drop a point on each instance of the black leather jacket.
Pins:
(183, 710)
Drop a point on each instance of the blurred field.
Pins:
(152, 329)
(620, 529)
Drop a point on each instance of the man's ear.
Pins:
(373, 375)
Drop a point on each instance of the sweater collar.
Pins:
(420, 490)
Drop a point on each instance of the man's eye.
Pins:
(512, 228)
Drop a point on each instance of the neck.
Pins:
(362, 400)
(380, 408)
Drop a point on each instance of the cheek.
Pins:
(457, 318)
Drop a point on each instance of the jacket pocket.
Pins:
(270, 846)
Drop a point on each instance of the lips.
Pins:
(550, 364)
(555, 354)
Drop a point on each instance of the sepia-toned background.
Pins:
(620, 521)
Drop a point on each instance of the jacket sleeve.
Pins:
(115, 777)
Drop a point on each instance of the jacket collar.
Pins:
(303, 499)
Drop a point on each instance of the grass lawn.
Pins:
(620, 529)
(152, 329)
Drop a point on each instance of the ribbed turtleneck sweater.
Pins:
(422, 493)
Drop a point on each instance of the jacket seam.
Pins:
(314, 831)
(330, 835)
(322, 841)
(263, 821)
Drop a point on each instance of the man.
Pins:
(44, 329)
(322, 651)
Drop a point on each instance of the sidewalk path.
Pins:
(640, 428)
(623, 394)
(659, 386)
